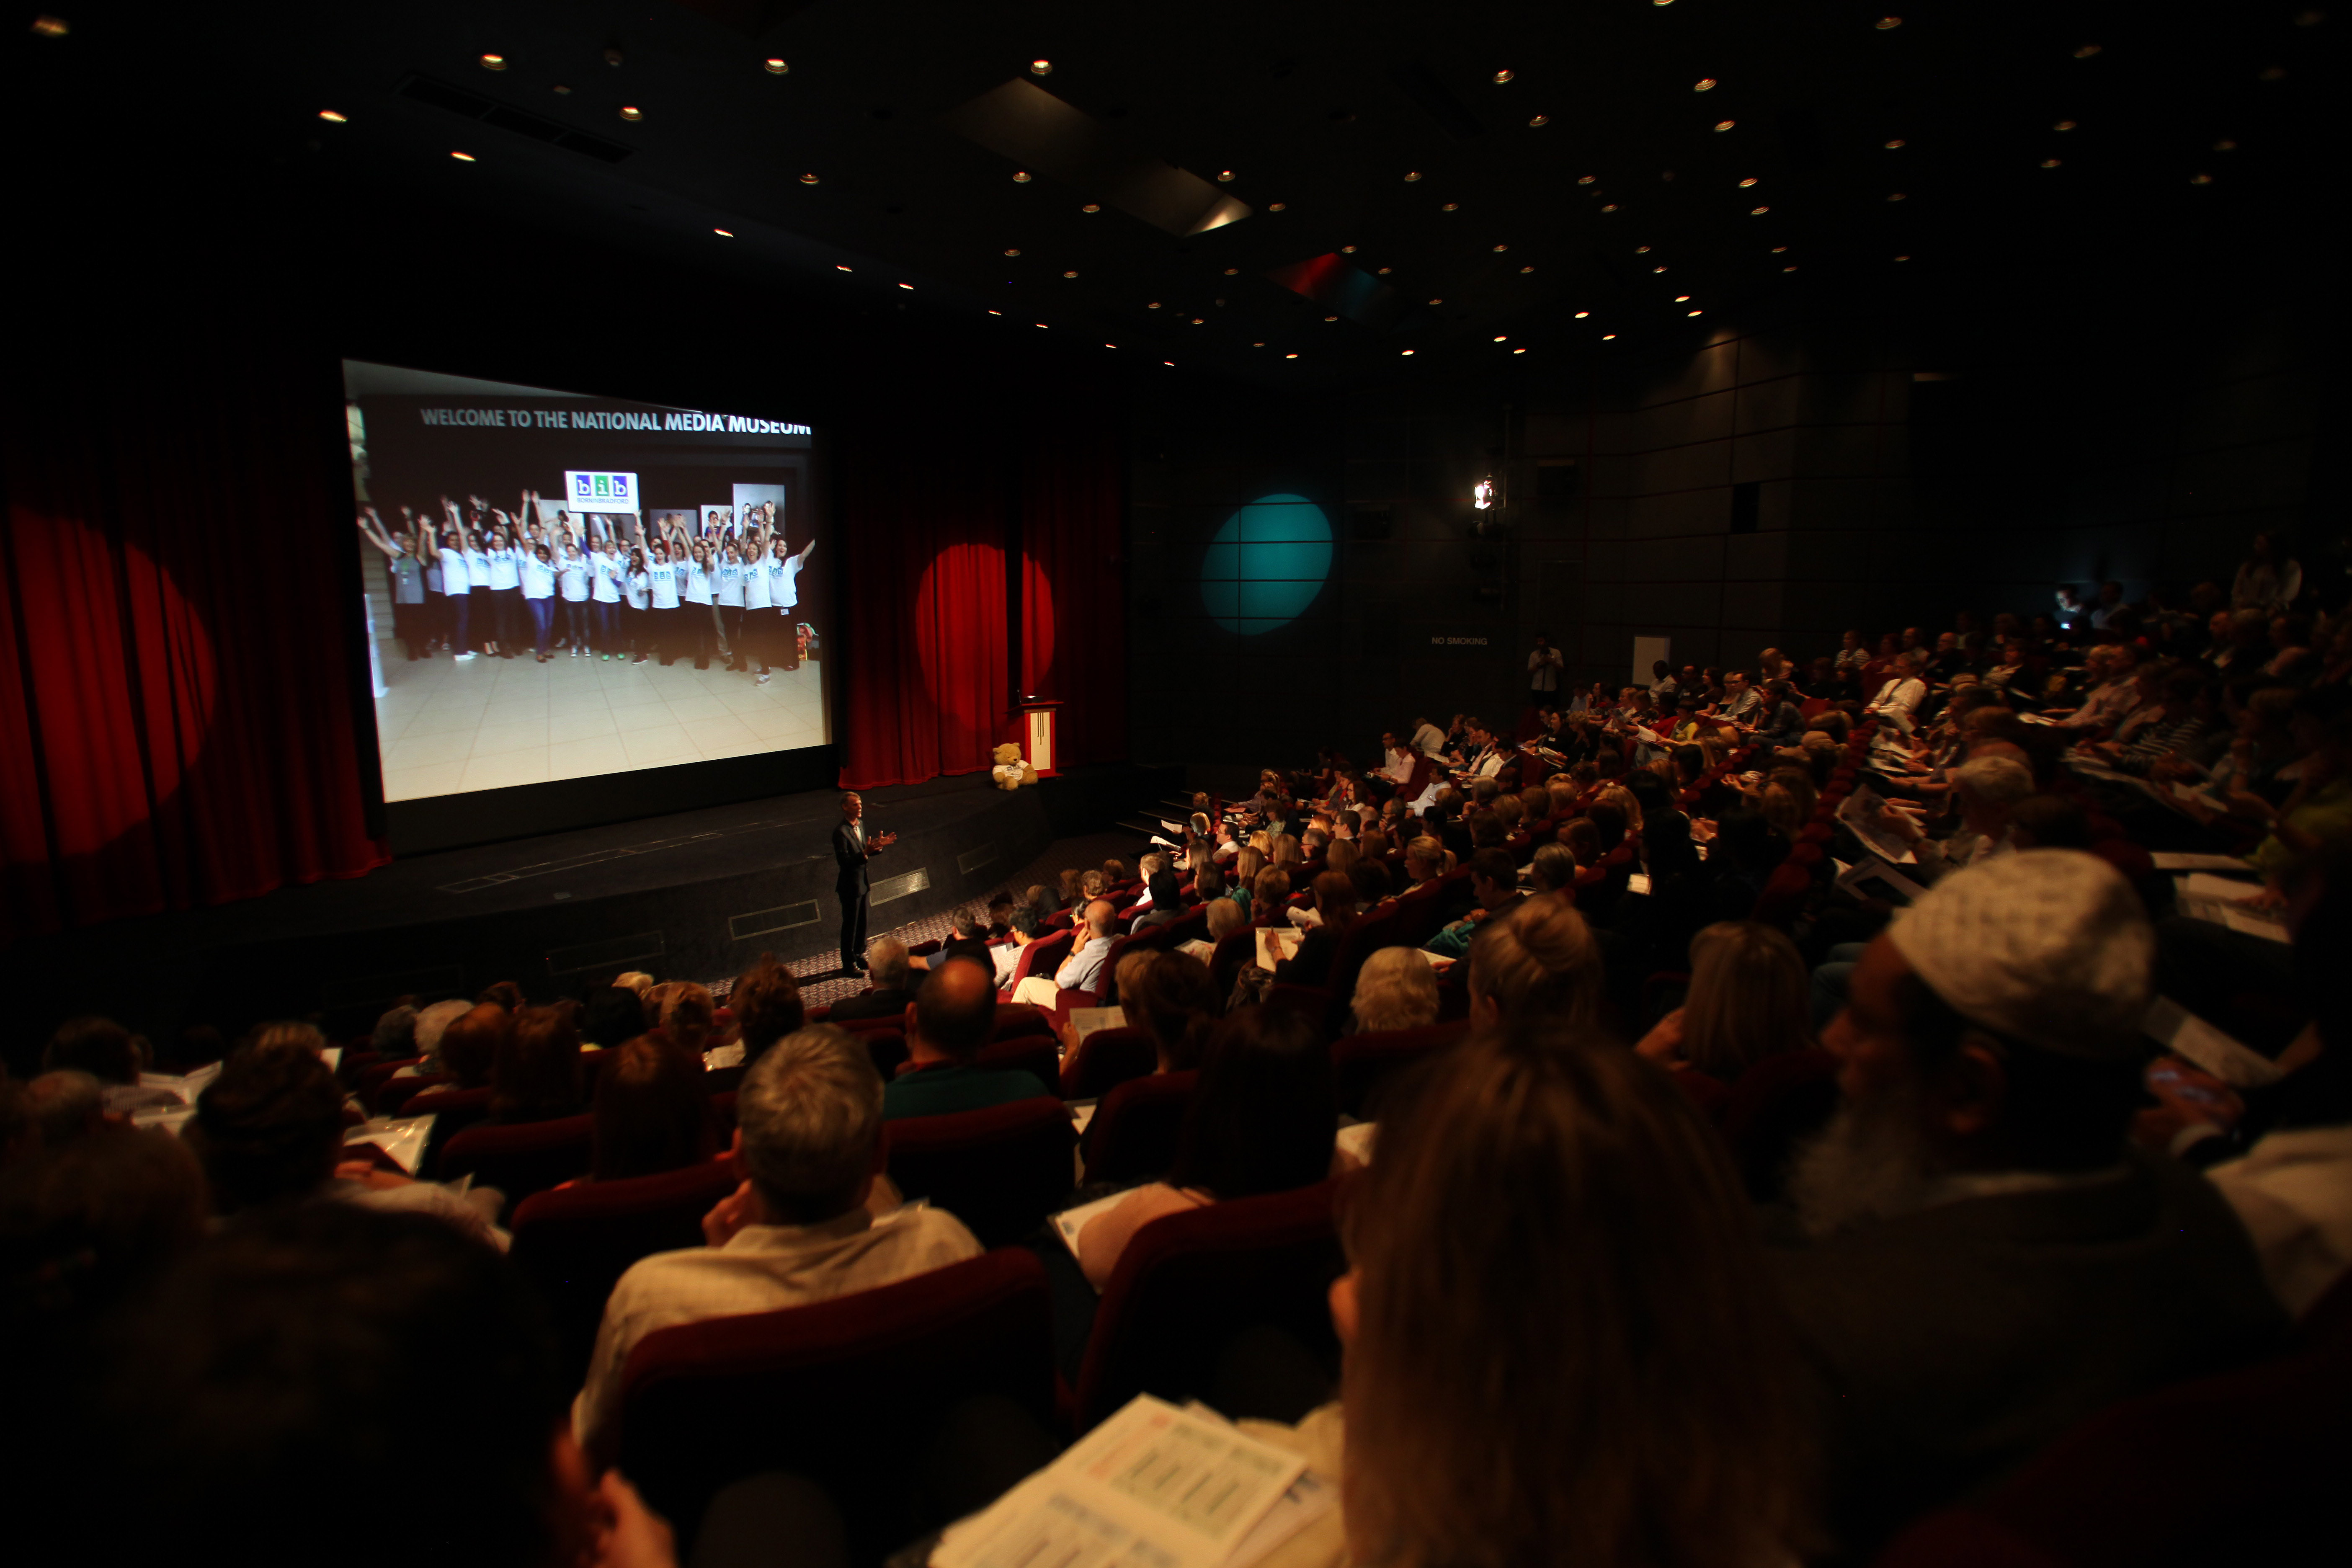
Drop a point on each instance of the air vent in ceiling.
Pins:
(474, 106)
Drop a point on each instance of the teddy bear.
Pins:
(1011, 772)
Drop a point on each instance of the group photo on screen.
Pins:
(562, 625)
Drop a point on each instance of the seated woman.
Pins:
(1554, 1220)
(535, 1074)
(1172, 1000)
(1396, 989)
(1267, 895)
(1335, 901)
(1261, 1120)
(1749, 999)
(651, 1114)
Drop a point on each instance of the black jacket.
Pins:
(851, 857)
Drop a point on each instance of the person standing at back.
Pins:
(1544, 665)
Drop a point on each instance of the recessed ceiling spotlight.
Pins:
(1290, 356)
(1276, 207)
(1682, 299)
(332, 118)
(1503, 338)
(1539, 122)
(1759, 212)
(1330, 318)
(1704, 84)
(774, 66)
(909, 288)
(2046, 163)
(1041, 67)
(1021, 176)
(50, 26)
(1588, 179)
(1169, 362)
(1041, 326)
(1196, 321)
(1437, 301)
(1891, 146)
(1748, 182)
(1153, 306)
(724, 233)
(1502, 77)
(562, 90)
(630, 112)
(1580, 315)
(996, 312)
(1224, 175)
(1789, 269)
(1725, 124)
(1090, 207)
(1518, 351)
(1694, 312)
(1346, 250)
(1411, 176)
(1898, 196)
(1779, 250)
(1887, 24)
(1609, 206)
(494, 62)
(2201, 179)
(2225, 145)
(841, 266)
(1233, 271)
(1406, 353)
(1069, 275)
(2087, 51)
(1012, 251)
(1655, 270)
(1451, 206)
(1110, 345)
(1525, 269)
(2064, 125)
(1385, 271)
(1257, 345)
(1901, 258)
(1641, 250)
(1606, 337)
(808, 179)
(463, 157)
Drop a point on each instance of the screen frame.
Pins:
(526, 811)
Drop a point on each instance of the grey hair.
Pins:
(1396, 989)
(1995, 781)
(395, 1032)
(1554, 867)
(810, 1111)
(432, 1023)
(886, 956)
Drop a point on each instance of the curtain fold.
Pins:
(1073, 621)
(176, 719)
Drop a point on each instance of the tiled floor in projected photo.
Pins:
(447, 727)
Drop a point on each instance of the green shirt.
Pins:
(947, 1088)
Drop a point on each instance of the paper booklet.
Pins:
(1356, 1138)
(1885, 881)
(403, 1138)
(1856, 810)
(2205, 885)
(2174, 860)
(1273, 946)
(2183, 1033)
(1069, 1222)
(2201, 896)
(1086, 1020)
(186, 1086)
(1153, 1487)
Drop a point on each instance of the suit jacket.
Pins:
(850, 857)
(974, 949)
(883, 1002)
(1950, 1344)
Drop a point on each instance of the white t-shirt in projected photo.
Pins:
(477, 568)
(574, 578)
(663, 575)
(638, 587)
(604, 572)
(783, 582)
(727, 583)
(755, 584)
(504, 568)
(454, 579)
(538, 579)
(695, 583)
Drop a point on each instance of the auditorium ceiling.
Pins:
(1317, 193)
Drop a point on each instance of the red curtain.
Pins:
(1074, 625)
(176, 687)
(925, 682)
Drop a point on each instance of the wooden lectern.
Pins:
(1040, 737)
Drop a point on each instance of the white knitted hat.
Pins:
(2048, 946)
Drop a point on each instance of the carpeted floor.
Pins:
(821, 979)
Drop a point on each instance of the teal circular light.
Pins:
(1266, 564)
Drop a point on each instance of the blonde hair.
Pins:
(1340, 856)
(1428, 851)
(1286, 851)
(1540, 958)
(1246, 865)
(687, 1014)
(1396, 989)
(1552, 1251)
(1225, 917)
(1620, 798)
(1750, 997)
(1262, 842)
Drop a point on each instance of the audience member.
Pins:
(766, 1003)
(1539, 958)
(1747, 1000)
(651, 1114)
(808, 1138)
(1396, 989)
(893, 982)
(535, 1076)
(1081, 969)
(1174, 1001)
(952, 1017)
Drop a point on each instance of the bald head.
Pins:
(1098, 916)
(955, 1011)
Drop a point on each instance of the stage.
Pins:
(691, 896)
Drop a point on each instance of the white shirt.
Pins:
(1902, 694)
(505, 568)
(2293, 1191)
(755, 584)
(761, 1269)
(454, 576)
(538, 579)
(1543, 669)
(604, 571)
(1431, 740)
(697, 582)
(574, 578)
(727, 583)
(783, 582)
(663, 575)
(635, 588)
(1084, 967)
(477, 568)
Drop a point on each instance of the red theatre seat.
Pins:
(836, 1392)
(1040, 957)
(1189, 1283)
(1039, 1055)
(1107, 1059)
(1000, 1171)
(1134, 1134)
(2247, 1467)
(1361, 1064)
(522, 1160)
(575, 1244)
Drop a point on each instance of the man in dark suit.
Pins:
(852, 847)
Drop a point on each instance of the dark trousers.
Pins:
(461, 607)
(732, 615)
(636, 628)
(505, 604)
(542, 623)
(605, 617)
(853, 924)
(697, 631)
